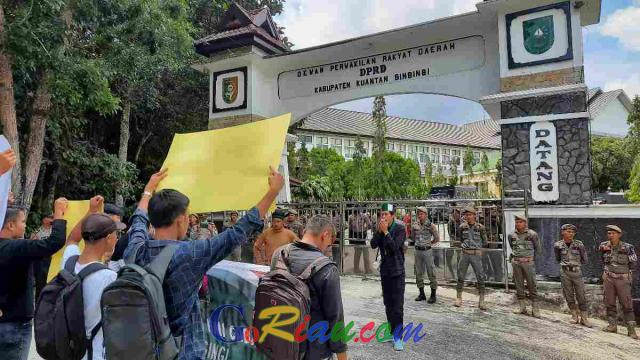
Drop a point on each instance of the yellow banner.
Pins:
(226, 169)
(75, 212)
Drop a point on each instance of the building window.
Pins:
(336, 144)
(476, 158)
(391, 146)
(307, 140)
(446, 157)
(423, 158)
(365, 144)
(322, 142)
(456, 156)
(350, 148)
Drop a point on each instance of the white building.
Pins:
(609, 112)
(420, 140)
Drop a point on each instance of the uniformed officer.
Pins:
(425, 234)
(619, 259)
(525, 245)
(571, 255)
(291, 222)
(473, 237)
(389, 238)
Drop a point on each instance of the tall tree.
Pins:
(428, 174)
(304, 164)
(138, 39)
(633, 139)
(453, 166)
(379, 115)
(611, 163)
(358, 168)
(484, 163)
(467, 163)
(381, 171)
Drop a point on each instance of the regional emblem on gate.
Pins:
(539, 34)
(230, 89)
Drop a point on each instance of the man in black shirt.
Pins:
(16, 277)
(324, 286)
(390, 239)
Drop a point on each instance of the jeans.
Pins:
(15, 340)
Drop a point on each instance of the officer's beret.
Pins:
(569, 227)
(521, 217)
(614, 228)
(469, 209)
(387, 207)
(291, 211)
(423, 209)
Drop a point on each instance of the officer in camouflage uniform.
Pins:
(473, 237)
(571, 255)
(291, 222)
(525, 245)
(619, 259)
(425, 234)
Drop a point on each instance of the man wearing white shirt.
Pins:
(99, 232)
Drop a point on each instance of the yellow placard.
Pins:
(75, 212)
(226, 169)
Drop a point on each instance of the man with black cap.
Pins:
(525, 246)
(100, 234)
(389, 238)
(425, 234)
(571, 255)
(272, 238)
(619, 260)
(291, 222)
(473, 237)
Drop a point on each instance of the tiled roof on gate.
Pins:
(357, 123)
(249, 29)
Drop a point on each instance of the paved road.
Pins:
(468, 333)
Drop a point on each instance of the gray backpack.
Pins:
(134, 317)
(280, 287)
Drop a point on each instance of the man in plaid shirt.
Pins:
(168, 213)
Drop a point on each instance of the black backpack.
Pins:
(59, 319)
(277, 288)
(134, 316)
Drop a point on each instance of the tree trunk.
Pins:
(7, 106)
(124, 142)
(35, 148)
(53, 182)
(142, 142)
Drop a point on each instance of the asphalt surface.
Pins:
(468, 333)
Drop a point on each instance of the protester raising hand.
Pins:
(7, 160)
(59, 208)
(96, 204)
(151, 187)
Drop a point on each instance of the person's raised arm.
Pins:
(211, 251)
(95, 204)
(276, 182)
(139, 222)
(50, 245)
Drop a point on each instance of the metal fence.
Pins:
(355, 223)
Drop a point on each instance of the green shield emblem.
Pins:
(230, 89)
(539, 34)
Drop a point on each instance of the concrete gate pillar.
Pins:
(542, 106)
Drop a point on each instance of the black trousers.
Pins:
(393, 298)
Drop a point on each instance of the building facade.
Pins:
(441, 145)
